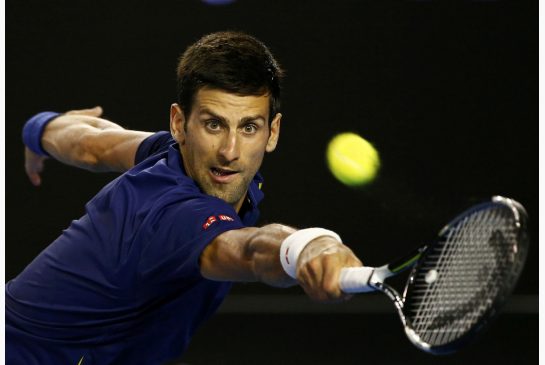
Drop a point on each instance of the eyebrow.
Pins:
(243, 120)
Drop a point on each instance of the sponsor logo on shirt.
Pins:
(225, 218)
(213, 219)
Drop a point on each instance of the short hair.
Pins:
(231, 61)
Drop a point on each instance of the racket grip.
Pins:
(356, 279)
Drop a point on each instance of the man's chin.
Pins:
(231, 193)
(231, 196)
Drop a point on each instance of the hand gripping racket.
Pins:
(459, 282)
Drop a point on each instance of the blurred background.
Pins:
(446, 91)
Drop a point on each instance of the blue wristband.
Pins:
(34, 129)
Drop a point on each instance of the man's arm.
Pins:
(80, 138)
(253, 254)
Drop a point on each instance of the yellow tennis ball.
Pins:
(352, 160)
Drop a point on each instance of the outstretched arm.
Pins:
(80, 138)
(253, 254)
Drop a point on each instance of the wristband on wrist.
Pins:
(293, 245)
(34, 129)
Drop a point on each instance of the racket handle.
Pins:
(356, 279)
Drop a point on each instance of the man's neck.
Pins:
(240, 203)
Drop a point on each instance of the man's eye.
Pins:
(250, 128)
(213, 125)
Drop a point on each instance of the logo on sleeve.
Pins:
(225, 218)
(213, 219)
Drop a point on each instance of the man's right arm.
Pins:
(253, 254)
(80, 138)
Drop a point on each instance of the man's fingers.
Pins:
(33, 173)
(330, 282)
(320, 275)
(310, 275)
(34, 165)
(35, 179)
(319, 278)
(93, 112)
(33, 170)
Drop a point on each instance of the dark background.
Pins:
(446, 91)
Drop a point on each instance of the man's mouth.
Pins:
(222, 172)
(223, 176)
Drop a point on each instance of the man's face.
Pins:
(224, 140)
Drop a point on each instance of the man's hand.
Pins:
(319, 267)
(34, 164)
(93, 112)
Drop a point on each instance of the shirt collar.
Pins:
(254, 191)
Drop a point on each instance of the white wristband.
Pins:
(295, 243)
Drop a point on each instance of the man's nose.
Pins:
(229, 150)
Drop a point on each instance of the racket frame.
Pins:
(520, 217)
(366, 279)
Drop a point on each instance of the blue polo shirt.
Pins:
(122, 284)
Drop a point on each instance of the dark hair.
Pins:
(231, 61)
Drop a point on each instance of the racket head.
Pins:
(463, 279)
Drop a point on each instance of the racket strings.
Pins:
(457, 282)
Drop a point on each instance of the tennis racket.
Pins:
(459, 282)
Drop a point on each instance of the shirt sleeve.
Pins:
(170, 257)
(155, 143)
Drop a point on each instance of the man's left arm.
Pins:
(82, 139)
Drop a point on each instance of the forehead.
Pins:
(230, 105)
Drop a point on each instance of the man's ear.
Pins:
(275, 133)
(177, 123)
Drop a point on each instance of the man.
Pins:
(158, 248)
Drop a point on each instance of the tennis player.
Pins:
(158, 248)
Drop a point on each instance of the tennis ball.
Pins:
(352, 160)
